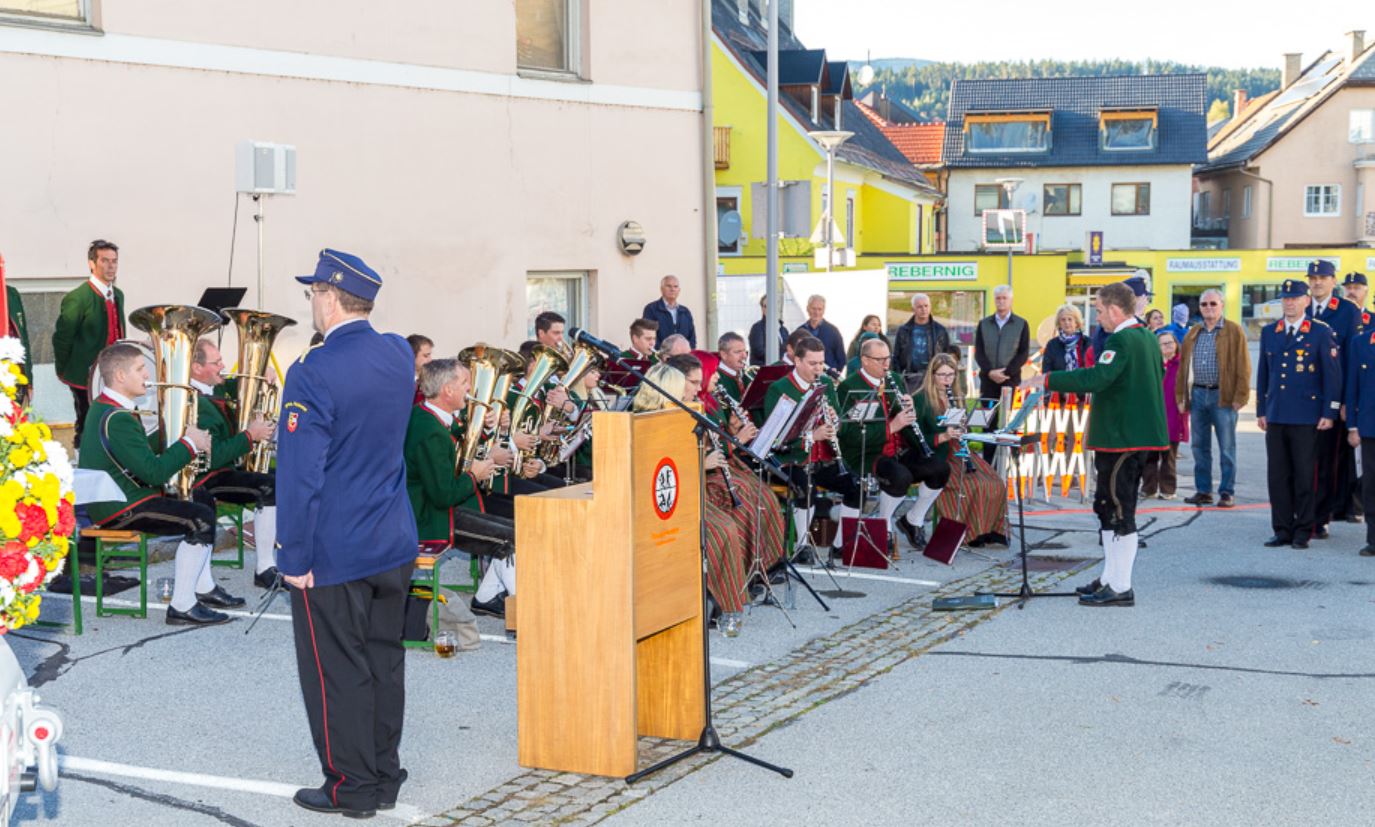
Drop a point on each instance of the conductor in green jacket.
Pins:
(1126, 420)
(91, 318)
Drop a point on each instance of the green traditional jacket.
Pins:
(431, 452)
(652, 358)
(131, 453)
(226, 446)
(1126, 414)
(927, 421)
(733, 385)
(795, 452)
(867, 440)
(19, 324)
(81, 332)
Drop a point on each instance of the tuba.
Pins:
(581, 359)
(257, 397)
(525, 415)
(174, 330)
(487, 365)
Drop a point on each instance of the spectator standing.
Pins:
(671, 316)
(1155, 319)
(1212, 386)
(1069, 349)
(871, 324)
(829, 335)
(758, 345)
(1158, 477)
(1179, 321)
(1002, 342)
(917, 342)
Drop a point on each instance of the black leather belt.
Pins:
(1206, 387)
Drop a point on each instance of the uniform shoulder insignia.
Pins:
(1308, 325)
(308, 350)
(1279, 327)
(1107, 357)
(1334, 303)
(1365, 317)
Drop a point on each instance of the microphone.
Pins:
(577, 334)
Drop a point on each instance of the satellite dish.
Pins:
(728, 227)
(866, 75)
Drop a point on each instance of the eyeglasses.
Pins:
(1209, 304)
(945, 374)
(888, 358)
(311, 292)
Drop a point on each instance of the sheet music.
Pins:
(776, 424)
(983, 417)
(863, 411)
(1029, 404)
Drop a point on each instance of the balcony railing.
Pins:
(722, 136)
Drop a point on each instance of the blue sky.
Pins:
(1230, 33)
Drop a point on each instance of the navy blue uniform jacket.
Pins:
(1298, 383)
(341, 468)
(1360, 384)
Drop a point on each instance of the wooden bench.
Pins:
(114, 544)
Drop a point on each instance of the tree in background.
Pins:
(1219, 111)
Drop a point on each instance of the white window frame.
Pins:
(850, 220)
(584, 280)
(1246, 201)
(738, 193)
(572, 48)
(839, 102)
(1336, 192)
(816, 103)
(1362, 120)
(87, 22)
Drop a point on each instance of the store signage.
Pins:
(932, 270)
(1296, 264)
(1204, 265)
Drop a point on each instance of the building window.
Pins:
(1007, 133)
(851, 241)
(1226, 203)
(728, 202)
(1362, 126)
(546, 35)
(52, 12)
(1129, 131)
(1131, 199)
(1062, 199)
(564, 292)
(1322, 200)
(1246, 201)
(990, 197)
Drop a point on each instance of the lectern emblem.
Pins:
(665, 488)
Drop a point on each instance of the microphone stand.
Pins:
(278, 586)
(708, 741)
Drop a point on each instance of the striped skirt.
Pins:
(737, 536)
(977, 499)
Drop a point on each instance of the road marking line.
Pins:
(162, 607)
(404, 812)
(733, 664)
(841, 574)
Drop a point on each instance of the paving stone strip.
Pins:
(754, 702)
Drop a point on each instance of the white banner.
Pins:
(1204, 265)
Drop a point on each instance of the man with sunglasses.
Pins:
(1213, 385)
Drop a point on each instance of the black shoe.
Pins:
(1105, 596)
(916, 535)
(385, 802)
(197, 615)
(1199, 499)
(1321, 533)
(496, 607)
(1299, 544)
(265, 579)
(803, 556)
(220, 599)
(1090, 588)
(1368, 550)
(1276, 541)
(318, 801)
(1354, 518)
(778, 578)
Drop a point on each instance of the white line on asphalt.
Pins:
(404, 812)
(734, 664)
(886, 578)
(161, 607)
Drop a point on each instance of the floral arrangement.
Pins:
(37, 503)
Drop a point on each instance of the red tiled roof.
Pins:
(920, 143)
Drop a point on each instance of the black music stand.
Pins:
(865, 416)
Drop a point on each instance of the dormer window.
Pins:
(1017, 132)
(1127, 130)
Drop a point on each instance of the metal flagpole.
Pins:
(771, 199)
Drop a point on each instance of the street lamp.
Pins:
(830, 140)
(1009, 186)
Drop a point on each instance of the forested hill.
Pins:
(925, 87)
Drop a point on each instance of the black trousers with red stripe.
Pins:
(353, 680)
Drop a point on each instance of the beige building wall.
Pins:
(420, 149)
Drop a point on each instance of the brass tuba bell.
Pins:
(256, 397)
(487, 365)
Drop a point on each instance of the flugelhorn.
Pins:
(525, 414)
(487, 365)
(257, 396)
(174, 330)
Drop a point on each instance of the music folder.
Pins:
(767, 375)
(216, 299)
(617, 373)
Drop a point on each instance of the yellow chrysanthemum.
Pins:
(20, 457)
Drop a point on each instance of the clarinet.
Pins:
(963, 452)
(731, 405)
(905, 402)
(725, 469)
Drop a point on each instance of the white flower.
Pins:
(11, 350)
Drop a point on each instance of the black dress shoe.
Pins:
(1320, 533)
(388, 802)
(1299, 544)
(318, 801)
(1368, 550)
(197, 615)
(803, 555)
(1276, 541)
(265, 579)
(220, 599)
(916, 536)
(1105, 596)
(496, 607)
(1089, 588)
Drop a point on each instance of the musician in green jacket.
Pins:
(449, 505)
(731, 374)
(1126, 421)
(884, 433)
(91, 317)
(224, 480)
(121, 447)
(643, 334)
(828, 471)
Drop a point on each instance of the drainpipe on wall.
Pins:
(1269, 205)
(708, 184)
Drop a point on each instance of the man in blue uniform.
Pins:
(347, 537)
(1334, 457)
(1359, 398)
(1297, 397)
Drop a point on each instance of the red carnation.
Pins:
(13, 561)
(33, 521)
(66, 519)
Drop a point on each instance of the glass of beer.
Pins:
(163, 589)
(445, 644)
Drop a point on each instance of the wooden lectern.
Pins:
(610, 587)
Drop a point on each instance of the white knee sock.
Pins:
(926, 497)
(205, 581)
(887, 506)
(490, 586)
(265, 537)
(190, 561)
(1109, 574)
(506, 573)
(1126, 558)
(841, 513)
(802, 520)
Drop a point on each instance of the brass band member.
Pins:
(423, 349)
(448, 502)
(549, 329)
(643, 332)
(91, 318)
(674, 345)
(734, 356)
(827, 472)
(119, 446)
(974, 494)
(223, 481)
(890, 449)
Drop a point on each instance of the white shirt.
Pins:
(341, 324)
(873, 381)
(1001, 319)
(202, 387)
(1125, 324)
(102, 288)
(727, 370)
(122, 400)
(1291, 328)
(444, 416)
(797, 380)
